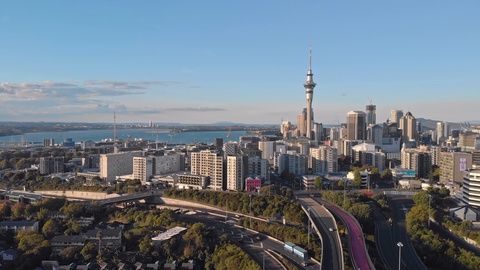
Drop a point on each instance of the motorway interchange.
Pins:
(266, 251)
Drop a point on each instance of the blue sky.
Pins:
(238, 61)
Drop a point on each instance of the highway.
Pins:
(386, 247)
(127, 197)
(332, 257)
(359, 253)
(401, 205)
(260, 249)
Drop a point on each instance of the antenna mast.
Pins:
(115, 150)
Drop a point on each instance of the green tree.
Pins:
(387, 175)
(88, 251)
(50, 228)
(4, 211)
(42, 213)
(34, 243)
(318, 182)
(73, 210)
(18, 210)
(357, 179)
(145, 245)
(69, 253)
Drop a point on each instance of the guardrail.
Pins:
(357, 224)
(316, 229)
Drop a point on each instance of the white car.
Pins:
(330, 229)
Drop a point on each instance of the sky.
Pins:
(201, 62)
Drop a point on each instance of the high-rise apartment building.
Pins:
(208, 163)
(356, 125)
(443, 131)
(471, 187)
(417, 159)
(49, 165)
(324, 159)
(408, 125)
(469, 141)
(366, 154)
(375, 134)
(235, 173)
(453, 165)
(258, 168)
(117, 164)
(143, 168)
(317, 132)
(267, 148)
(230, 149)
(171, 162)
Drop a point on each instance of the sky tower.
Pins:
(309, 85)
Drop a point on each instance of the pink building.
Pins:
(253, 184)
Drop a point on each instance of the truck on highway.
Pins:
(300, 252)
(289, 246)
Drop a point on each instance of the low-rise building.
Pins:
(17, 226)
(110, 237)
(60, 242)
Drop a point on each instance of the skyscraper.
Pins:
(356, 125)
(371, 115)
(302, 120)
(395, 116)
(408, 125)
(309, 86)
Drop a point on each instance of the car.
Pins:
(304, 264)
(330, 229)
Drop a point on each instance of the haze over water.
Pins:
(123, 134)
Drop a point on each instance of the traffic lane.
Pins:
(251, 240)
(332, 249)
(242, 238)
(357, 243)
(384, 241)
(401, 205)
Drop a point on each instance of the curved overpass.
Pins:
(322, 220)
(361, 259)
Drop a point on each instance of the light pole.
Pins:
(429, 197)
(344, 191)
(400, 245)
(250, 210)
(308, 228)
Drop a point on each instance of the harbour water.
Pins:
(186, 137)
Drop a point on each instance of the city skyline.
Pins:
(244, 62)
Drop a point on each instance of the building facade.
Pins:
(116, 164)
(408, 125)
(356, 125)
(471, 187)
(453, 165)
(208, 163)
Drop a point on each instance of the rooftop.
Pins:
(168, 234)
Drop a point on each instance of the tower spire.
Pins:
(310, 62)
(309, 86)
